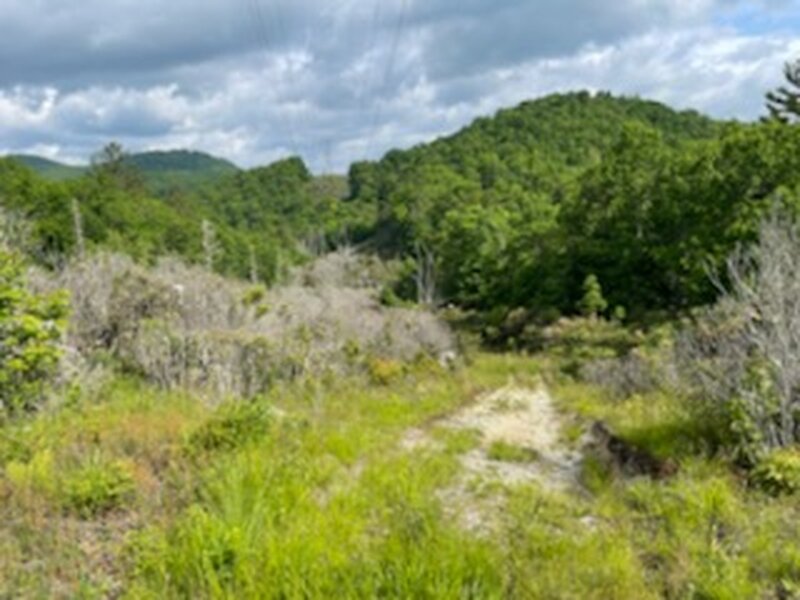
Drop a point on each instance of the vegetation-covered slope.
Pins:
(532, 146)
(169, 171)
(163, 172)
(260, 220)
(518, 209)
(180, 160)
(49, 169)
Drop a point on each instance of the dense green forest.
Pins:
(155, 205)
(158, 168)
(519, 209)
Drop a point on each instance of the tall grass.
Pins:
(308, 492)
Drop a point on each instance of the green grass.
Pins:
(308, 492)
(457, 441)
(505, 452)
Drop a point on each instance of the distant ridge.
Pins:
(180, 160)
(163, 170)
(49, 169)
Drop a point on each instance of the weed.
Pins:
(98, 485)
(458, 441)
(778, 473)
(596, 474)
(324, 501)
(233, 424)
(384, 371)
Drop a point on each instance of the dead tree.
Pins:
(425, 274)
(77, 222)
(744, 355)
(211, 247)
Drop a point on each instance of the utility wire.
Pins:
(388, 72)
(271, 32)
(364, 87)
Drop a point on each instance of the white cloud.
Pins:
(253, 80)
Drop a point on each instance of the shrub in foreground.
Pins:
(182, 326)
(97, 486)
(30, 330)
(778, 473)
(232, 425)
(741, 356)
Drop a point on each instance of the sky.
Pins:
(336, 81)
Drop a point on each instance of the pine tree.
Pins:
(784, 103)
(592, 302)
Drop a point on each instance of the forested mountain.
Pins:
(257, 220)
(49, 169)
(147, 162)
(168, 171)
(536, 143)
(518, 209)
(163, 172)
(286, 196)
(180, 160)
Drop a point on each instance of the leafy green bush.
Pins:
(388, 297)
(232, 425)
(97, 486)
(30, 328)
(778, 473)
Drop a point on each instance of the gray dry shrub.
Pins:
(182, 326)
(622, 377)
(344, 268)
(740, 358)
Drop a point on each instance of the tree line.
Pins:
(520, 209)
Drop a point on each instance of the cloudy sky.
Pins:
(340, 80)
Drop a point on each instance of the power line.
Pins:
(271, 33)
(280, 21)
(388, 72)
(371, 41)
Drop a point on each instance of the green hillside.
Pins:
(164, 172)
(518, 209)
(515, 210)
(49, 169)
(572, 129)
(178, 170)
(538, 139)
(180, 160)
(154, 204)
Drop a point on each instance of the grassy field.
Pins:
(311, 492)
